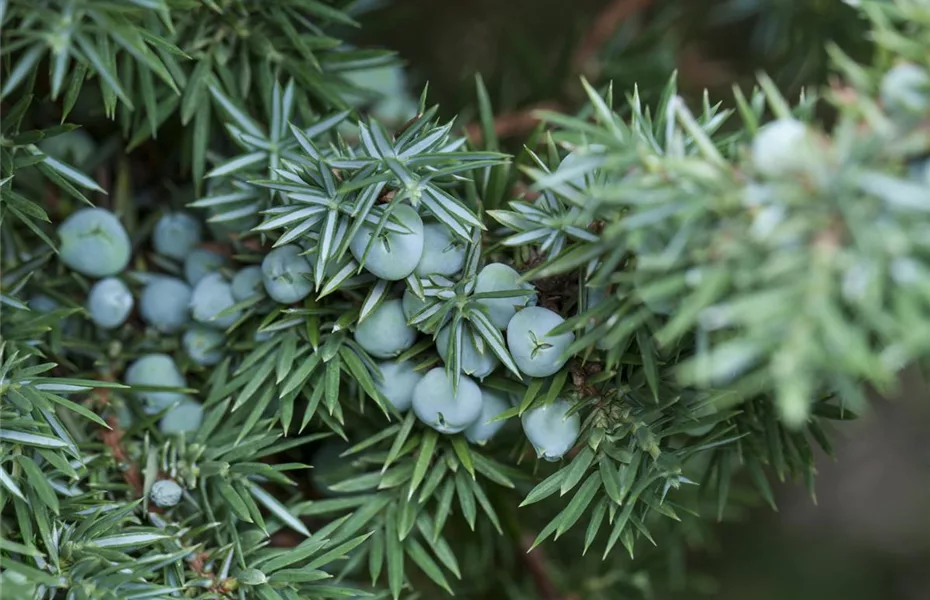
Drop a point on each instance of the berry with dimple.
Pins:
(442, 253)
(165, 303)
(474, 363)
(905, 89)
(212, 296)
(201, 262)
(384, 333)
(781, 147)
(165, 493)
(183, 418)
(483, 429)
(498, 277)
(156, 370)
(176, 234)
(287, 274)
(248, 283)
(436, 405)
(393, 255)
(205, 346)
(551, 432)
(94, 243)
(109, 303)
(535, 352)
(397, 382)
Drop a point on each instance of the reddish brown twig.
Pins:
(535, 562)
(510, 124)
(602, 28)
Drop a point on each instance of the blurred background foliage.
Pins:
(867, 535)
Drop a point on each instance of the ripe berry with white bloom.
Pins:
(176, 234)
(435, 404)
(905, 89)
(156, 370)
(183, 418)
(550, 431)
(474, 363)
(204, 345)
(498, 277)
(109, 303)
(442, 253)
(384, 333)
(397, 382)
(535, 352)
(165, 493)
(394, 255)
(781, 147)
(94, 243)
(165, 303)
(212, 296)
(201, 262)
(483, 429)
(287, 274)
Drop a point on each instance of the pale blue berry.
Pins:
(42, 303)
(205, 345)
(483, 429)
(781, 147)
(165, 304)
(156, 370)
(201, 262)
(498, 277)
(94, 243)
(176, 235)
(183, 418)
(165, 493)
(551, 431)
(397, 382)
(287, 274)
(248, 283)
(384, 333)
(442, 253)
(212, 296)
(393, 255)
(478, 364)
(109, 303)
(436, 405)
(536, 353)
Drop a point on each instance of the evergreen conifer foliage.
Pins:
(358, 360)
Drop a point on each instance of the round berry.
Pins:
(94, 243)
(156, 370)
(287, 274)
(474, 363)
(550, 431)
(411, 304)
(442, 253)
(781, 147)
(201, 262)
(498, 277)
(394, 255)
(248, 283)
(397, 382)
(905, 89)
(483, 429)
(384, 333)
(919, 171)
(535, 352)
(204, 345)
(165, 493)
(165, 304)
(109, 303)
(176, 234)
(212, 296)
(435, 404)
(183, 418)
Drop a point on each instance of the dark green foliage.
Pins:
(725, 301)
